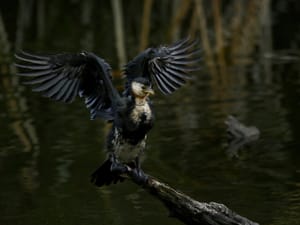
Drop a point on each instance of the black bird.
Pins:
(62, 77)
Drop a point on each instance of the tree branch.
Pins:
(188, 210)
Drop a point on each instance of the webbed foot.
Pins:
(118, 167)
(139, 176)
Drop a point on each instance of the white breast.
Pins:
(140, 110)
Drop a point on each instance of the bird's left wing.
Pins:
(62, 77)
(167, 66)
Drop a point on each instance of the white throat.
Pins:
(141, 109)
(140, 101)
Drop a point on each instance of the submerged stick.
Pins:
(119, 31)
(144, 36)
(190, 211)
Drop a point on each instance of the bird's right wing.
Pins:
(166, 66)
(62, 77)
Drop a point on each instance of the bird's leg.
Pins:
(138, 163)
(116, 166)
(138, 174)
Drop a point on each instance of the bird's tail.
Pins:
(104, 176)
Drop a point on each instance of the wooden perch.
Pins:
(188, 210)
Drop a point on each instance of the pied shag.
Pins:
(62, 77)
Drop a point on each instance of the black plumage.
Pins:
(62, 77)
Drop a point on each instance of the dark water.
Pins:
(48, 150)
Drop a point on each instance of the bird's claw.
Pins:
(118, 167)
(139, 176)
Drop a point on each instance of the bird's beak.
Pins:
(149, 91)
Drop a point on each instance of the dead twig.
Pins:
(188, 210)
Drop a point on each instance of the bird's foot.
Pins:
(118, 167)
(138, 176)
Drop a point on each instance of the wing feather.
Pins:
(63, 87)
(48, 84)
(35, 67)
(40, 79)
(39, 73)
(64, 76)
(179, 44)
(35, 61)
(52, 91)
(177, 80)
(161, 85)
(35, 56)
(67, 97)
(168, 66)
(168, 83)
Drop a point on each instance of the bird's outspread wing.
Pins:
(167, 66)
(62, 77)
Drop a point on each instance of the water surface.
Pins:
(48, 150)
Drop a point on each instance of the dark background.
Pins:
(251, 68)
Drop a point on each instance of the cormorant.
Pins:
(62, 77)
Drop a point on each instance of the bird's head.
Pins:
(141, 87)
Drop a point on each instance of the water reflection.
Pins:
(54, 163)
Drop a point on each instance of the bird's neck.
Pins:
(140, 101)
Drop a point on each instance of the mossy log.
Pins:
(190, 211)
